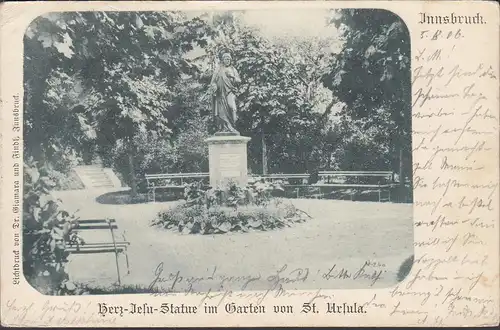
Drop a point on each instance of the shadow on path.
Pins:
(124, 197)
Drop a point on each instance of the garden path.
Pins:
(342, 234)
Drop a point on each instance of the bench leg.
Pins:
(126, 259)
(118, 269)
(152, 195)
(116, 253)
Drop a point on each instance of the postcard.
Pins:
(234, 163)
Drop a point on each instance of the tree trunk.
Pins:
(307, 161)
(133, 178)
(264, 154)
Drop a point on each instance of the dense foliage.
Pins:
(281, 99)
(47, 231)
(371, 76)
(99, 81)
(131, 89)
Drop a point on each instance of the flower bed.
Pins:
(197, 219)
(234, 209)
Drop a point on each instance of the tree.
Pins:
(54, 126)
(371, 75)
(126, 87)
(126, 66)
(281, 88)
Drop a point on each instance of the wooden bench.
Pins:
(336, 179)
(171, 181)
(290, 179)
(107, 245)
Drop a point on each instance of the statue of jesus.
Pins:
(222, 88)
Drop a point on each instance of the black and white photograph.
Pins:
(194, 151)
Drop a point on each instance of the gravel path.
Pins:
(345, 245)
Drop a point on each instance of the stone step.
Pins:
(95, 184)
(93, 173)
(94, 176)
(97, 175)
(101, 181)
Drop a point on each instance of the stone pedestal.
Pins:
(227, 159)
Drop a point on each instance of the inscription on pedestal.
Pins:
(230, 165)
(227, 160)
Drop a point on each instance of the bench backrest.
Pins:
(178, 178)
(202, 175)
(96, 224)
(356, 173)
(291, 179)
(281, 176)
(175, 175)
(328, 175)
(173, 179)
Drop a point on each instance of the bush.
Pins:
(67, 181)
(198, 219)
(154, 153)
(257, 192)
(47, 230)
(262, 191)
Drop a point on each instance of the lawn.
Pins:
(345, 245)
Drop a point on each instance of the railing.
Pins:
(337, 179)
(178, 180)
(171, 180)
(290, 179)
(330, 176)
(378, 181)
